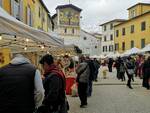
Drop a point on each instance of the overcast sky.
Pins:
(96, 12)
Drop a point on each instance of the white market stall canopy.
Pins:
(69, 50)
(131, 51)
(95, 56)
(19, 36)
(146, 48)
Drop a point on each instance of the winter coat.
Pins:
(83, 72)
(146, 69)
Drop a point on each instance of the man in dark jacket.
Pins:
(110, 63)
(21, 88)
(146, 73)
(83, 72)
(91, 76)
(54, 85)
(97, 66)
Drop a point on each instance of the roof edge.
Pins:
(132, 18)
(41, 1)
(138, 4)
(117, 20)
(69, 5)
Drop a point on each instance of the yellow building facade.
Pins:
(31, 12)
(67, 20)
(135, 32)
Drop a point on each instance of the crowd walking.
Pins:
(24, 90)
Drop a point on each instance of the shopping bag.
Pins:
(74, 90)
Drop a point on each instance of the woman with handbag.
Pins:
(129, 70)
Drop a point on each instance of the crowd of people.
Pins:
(23, 89)
(133, 66)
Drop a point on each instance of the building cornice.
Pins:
(138, 4)
(115, 20)
(133, 18)
(69, 6)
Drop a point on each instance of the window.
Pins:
(111, 26)
(65, 30)
(29, 16)
(123, 46)
(72, 31)
(84, 38)
(111, 48)
(132, 28)
(111, 37)
(143, 26)
(117, 33)
(132, 43)
(104, 48)
(123, 31)
(39, 12)
(1, 3)
(105, 38)
(16, 9)
(142, 43)
(133, 13)
(95, 47)
(116, 46)
(43, 16)
(105, 28)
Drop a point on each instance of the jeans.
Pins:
(89, 91)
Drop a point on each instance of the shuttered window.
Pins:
(1, 3)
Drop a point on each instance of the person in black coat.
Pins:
(130, 71)
(54, 85)
(146, 73)
(110, 63)
(91, 76)
(117, 65)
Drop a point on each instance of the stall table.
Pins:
(69, 82)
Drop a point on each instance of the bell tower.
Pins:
(67, 21)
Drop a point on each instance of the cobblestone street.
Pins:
(112, 96)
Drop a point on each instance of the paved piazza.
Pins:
(117, 98)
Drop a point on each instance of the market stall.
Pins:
(131, 51)
(21, 38)
(146, 49)
(17, 37)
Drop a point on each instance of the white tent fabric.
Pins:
(110, 55)
(94, 56)
(131, 51)
(11, 26)
(146, 48)
(102, 56)
(117, 54)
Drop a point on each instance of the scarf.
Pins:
(54, 69)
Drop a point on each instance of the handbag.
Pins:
(130, 71)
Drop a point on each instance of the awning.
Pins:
(131, 51)
(69, 50)
(146, 48)
(15, 34)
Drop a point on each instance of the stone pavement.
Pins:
(112, 96)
